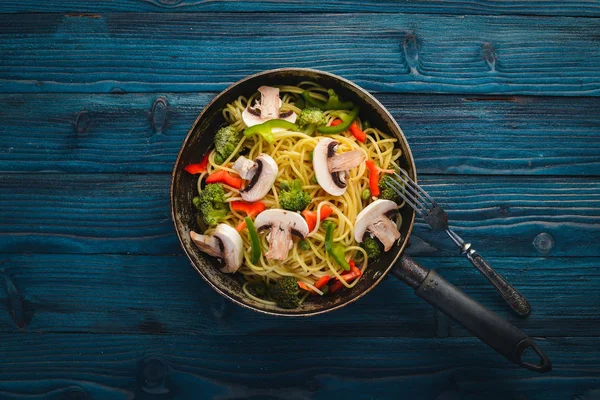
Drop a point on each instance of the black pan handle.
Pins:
(488, 326)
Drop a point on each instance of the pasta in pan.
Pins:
(309, 256)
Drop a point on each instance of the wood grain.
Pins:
(383, 52)
(230, 367)
(588, 8)
(158, 295)
(91, 213)
(449, 134)
(116, 213)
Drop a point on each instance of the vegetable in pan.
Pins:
(292, 197)
(226, 140)
(211, 203)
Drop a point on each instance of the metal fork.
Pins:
(436, 217)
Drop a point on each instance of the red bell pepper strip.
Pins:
(199, 167)
(373, 177)
(304, 287)
(354, 129)
(250, 209)
(374, 172)
(225, 177)
(348, 277)
(322, 281)
(357, 132)
(311, 216)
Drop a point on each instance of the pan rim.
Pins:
(184, 144)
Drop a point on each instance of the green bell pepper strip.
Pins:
(332, 103)
(300, 102)
(265, 129)
(254, 241)
(335, 250)
(347, 120)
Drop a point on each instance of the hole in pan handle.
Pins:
(488, 326)
(544, 364)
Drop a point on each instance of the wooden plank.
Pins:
(448, 134)
(91, 213)
(383, 52)
(114, 213)
(124, 367)
(158, 295)
(587, 8)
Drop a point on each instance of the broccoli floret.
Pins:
(226, 139)
(212, 215)
(213, 192)
(258, 289)
(285, 292)
(387, 192)
(372, 248)
(293, 198)
(310, 119)
(211, 203)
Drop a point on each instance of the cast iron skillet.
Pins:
(498, 333)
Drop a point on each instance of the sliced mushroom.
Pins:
(331, 169)
(225, 243)
(245, 167)
(374, 219)
(261, 172)
(282, 225)
(267, 109)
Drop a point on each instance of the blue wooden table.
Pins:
(499, 101)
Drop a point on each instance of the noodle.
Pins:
(292, 153)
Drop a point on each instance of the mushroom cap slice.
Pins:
(207, 243)
(233, 247)
(262, 179)
(269, 102)
(278, 216)
(251, 116)
(324, 177)
(244, 167)
(283, 224)
(371, 214)
(267, 109)
(225, 243)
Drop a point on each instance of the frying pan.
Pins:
(498, 333)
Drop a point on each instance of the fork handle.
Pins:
(515, 300)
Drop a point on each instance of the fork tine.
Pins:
(407, 197)
(409, 185)
(418, 187)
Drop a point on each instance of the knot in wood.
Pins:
(158, 116)
(82, 121)
(153, 376)
(489, 55)
(544, 243)
(410, 47)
